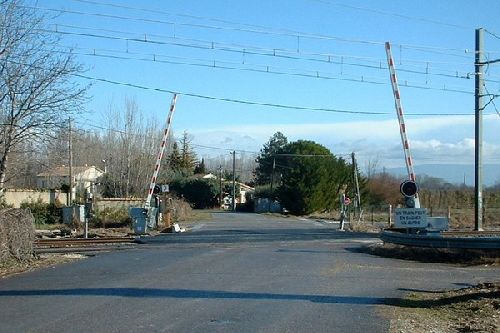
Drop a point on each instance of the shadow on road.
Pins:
(253, 235)
(195, 294)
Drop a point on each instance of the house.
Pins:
(244, 189)
(241, 198)
(84, 178)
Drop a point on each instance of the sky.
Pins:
(311, 69)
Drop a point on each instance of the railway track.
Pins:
(80, 242)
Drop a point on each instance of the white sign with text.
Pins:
(410, 218)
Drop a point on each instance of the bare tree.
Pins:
(37, 93)
(130, 147)
(371, 167)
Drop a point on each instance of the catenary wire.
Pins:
(270, 70)
(267, 31)
(263, 104)
(247, 102)
(274, 53)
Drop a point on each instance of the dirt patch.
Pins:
(472, 309)
(12, 267)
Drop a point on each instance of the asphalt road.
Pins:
(235, 273)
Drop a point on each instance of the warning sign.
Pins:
(410, 218)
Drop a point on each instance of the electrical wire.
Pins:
(267, 70)
(262, 30)
(494, 34)
(225, 149)
(385, 13)
(316, 73)
(456, 75)
(274, 53)
(246, 102)
(192, 144)
(491, 101)
(290, 32)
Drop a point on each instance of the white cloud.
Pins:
(433, 140)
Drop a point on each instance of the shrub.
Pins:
(111, 218)
(201, 193)
(4, 204)
(17, 235)
(44, 213)
(265, 191)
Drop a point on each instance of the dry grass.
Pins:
(460, 218)
(13, 267)
(17, 234)
(472, 309)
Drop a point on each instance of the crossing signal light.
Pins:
(408, 188)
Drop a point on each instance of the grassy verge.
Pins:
(12, 267)
(471, 309)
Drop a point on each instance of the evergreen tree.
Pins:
(188, 156)
(175, 158)
(200, 193)
(265, 160)
(200, 168)
(312, 178)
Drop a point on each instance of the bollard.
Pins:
(390, 215)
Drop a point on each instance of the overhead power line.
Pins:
(305, 155)
(263, 104)
(494, 34)
(257, 30)
(244, 50)
(312, 73)
(248, 49)
(230, 100)
(245, 102)
(224, 149)
(292, 33)
(257, 68)
(142, 135)
(393, 14)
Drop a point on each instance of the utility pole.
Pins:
(272, 182)
(234, 180)
(70, 149)
(220, 185)
(478, 144)
(357, 199)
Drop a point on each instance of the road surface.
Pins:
(233, 273)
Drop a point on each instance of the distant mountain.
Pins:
(454, 173)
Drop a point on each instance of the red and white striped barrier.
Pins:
(399, 112)
(160, 154)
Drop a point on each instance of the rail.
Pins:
(80, 242)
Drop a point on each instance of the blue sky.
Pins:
(321, 55)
